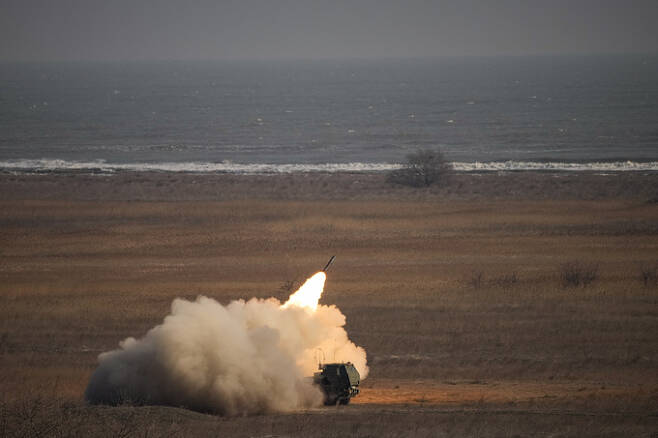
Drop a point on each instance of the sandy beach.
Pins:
(457, 293)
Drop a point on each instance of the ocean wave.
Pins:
(597, 166)
(56, 165)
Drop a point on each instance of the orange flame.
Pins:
(308, 294)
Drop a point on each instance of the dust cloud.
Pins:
(246, 357)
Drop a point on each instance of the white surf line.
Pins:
(56, 165)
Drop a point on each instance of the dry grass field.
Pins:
(460, 296)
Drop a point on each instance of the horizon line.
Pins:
(328, 58)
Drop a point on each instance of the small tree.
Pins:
(422, 169)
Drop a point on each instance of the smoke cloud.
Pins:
(246, 357)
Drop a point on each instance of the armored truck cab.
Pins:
(339, 382)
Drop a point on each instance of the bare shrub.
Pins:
(38, 417)
(506, 281)
(476, 279)
(289, 286)
(422, 169)
(575, 274)
(649, 275)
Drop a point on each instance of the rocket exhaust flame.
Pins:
(308, 295)
(240, 358)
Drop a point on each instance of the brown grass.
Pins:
(516, 355)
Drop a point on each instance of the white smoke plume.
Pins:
(242, 358)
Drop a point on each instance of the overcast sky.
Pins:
(221, 29)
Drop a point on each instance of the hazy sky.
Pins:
(174, 29)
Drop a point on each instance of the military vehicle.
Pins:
(339, 382)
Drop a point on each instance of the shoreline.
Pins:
(187, 186)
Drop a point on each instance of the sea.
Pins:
(271, 116)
